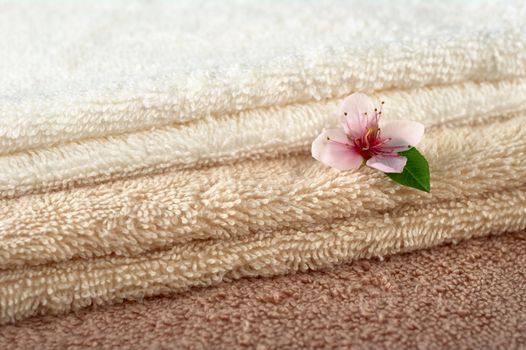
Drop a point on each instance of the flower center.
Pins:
(370, 144)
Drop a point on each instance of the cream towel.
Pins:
(251, 134)
(76, 71)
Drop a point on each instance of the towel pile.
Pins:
(146, 148)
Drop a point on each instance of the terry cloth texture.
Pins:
(149, 152)
(466, 296)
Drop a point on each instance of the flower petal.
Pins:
(404, 134)
(353, 108)
(388, 164)
(335, 152)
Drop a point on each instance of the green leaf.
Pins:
(416, 171)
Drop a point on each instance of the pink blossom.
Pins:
(363, 140)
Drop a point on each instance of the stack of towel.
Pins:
(149, 148)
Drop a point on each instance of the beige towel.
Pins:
(464, 296)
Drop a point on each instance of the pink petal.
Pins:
(336, 155)
(353, 109)
(404, 134)
(388, 164)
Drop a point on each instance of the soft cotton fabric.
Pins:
(465, 296)
(149, 148)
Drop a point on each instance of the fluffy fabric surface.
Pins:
(146, 236)
(149, 152)
(99, 69)
(259, 133)
(466, 296)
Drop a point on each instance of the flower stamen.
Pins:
(337, 142)
(366, 139)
